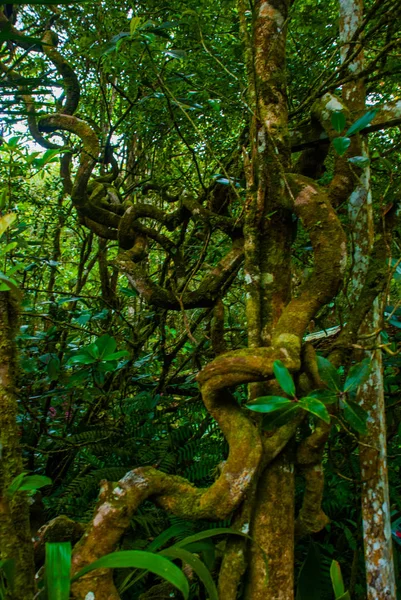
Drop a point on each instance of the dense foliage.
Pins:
(130, 160)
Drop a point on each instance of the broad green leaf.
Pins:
(92, 350)
(117, 355)
(268, 404)
(328, 373)
(359, 161)
(338, 121)
(197, 565)
(106, 345)
(6, 221)
(14, 485)
(362, 122)
(316, 407)
(341, 145)
(309, 580)
(139, 559)
(357, 375)
(81, 359)
(356, 416)
(57, 570)
(284, 378)
(33, 482)
(324, 395)
(280, 417)
(337, 579)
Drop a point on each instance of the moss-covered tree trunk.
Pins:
(15, 538)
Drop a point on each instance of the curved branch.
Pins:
(311, 205)
(211, 287)
(70, 80)
(89, 154)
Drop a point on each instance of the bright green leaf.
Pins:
(316, 407)
(81, 359)
(267, 404)
(139, 559)
(57, 570)
(284, 378)
(337, 579)
(362, 122)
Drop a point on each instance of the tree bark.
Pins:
(380, 578)
(15, 535)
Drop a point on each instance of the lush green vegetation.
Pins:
(200, 304)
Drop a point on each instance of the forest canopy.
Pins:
(200, 302)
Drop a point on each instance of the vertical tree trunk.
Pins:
(372, 451)
(15, 537)
(268, 226)
(271, 564)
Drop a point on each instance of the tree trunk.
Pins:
(378, 548)
(15, 536)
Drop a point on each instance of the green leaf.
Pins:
(284, 377)
(328, 373)
(14, 485)
(117, 355)
(341, 145)
(316, 407)
(197, 565)
(134, 24)
(268, 404)
(359, 161)
(6, 221)
(166, 535)
(324, 395)
(338, 121)
(309, 580)
(81, 359)
(33, 482)
(337, 579)
(356, 416)
(27, 483)
(202, 535)
(139, 559)
(280, 417)
(362, 122)
(357, 375)
(57, 570)
(106, 345)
